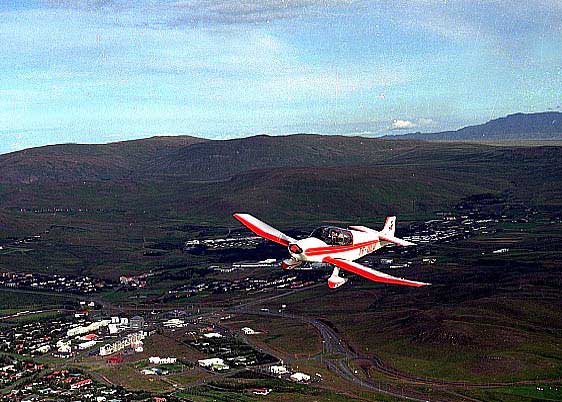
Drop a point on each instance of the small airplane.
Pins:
(336, 246)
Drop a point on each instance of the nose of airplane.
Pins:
(294, 248)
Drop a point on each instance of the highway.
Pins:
(333, 345)
(336, 354)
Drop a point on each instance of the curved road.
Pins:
(334, 344)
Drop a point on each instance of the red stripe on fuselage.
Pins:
(338, 249)
(261, 232)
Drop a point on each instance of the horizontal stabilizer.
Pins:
(395, 240)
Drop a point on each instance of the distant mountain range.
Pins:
(200, 160)
(293, 177)
(514, 127)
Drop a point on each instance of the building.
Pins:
(80, 384)
(174, 323)
(114, 328)
(89, 337)
(212, 335)
(64, 351)
(42, 349)
(261, 391)
(278, 370)
(214, 363)
(114, 360)
(86, 345)
(300, 377)
(80, 330)
(136, 322)
(249, 331)
(162, 360)
(133, 341)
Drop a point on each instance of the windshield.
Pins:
(333, 236)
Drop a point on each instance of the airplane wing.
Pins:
(371, 274)
(264, 230)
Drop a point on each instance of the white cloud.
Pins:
(399, 124)
(195, 12)
(250, 11)
(426, 122)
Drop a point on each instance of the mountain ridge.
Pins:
(199, 159)
(513, 127)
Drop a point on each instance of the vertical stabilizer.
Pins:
(389, 226)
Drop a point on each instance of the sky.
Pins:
(94, 71)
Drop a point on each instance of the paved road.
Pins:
(333, 345)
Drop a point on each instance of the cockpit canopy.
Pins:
(333, 236)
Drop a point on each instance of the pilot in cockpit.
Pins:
(334, 236)
(341, 239)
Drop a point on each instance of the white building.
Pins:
(114, 328)
(80, 330)
(214, 363)
(300, 377)
(174, 323)
(278, 370)
(249, 331)
(133, 341)
(86, 345)
(212, 335)
(43, 349)
(64, 348)
(162, 360)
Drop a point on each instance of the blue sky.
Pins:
(99, 71)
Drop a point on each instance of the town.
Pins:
(53, 283)
(41, 356)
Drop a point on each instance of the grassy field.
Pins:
(540, 392)
(284, 336)
(483, 319)
(486, 316)
(240, 390)
(13, 301)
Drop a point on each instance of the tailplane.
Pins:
(389, 226)
(387, 233)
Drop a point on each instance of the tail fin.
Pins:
(387, 233)
(389, 226)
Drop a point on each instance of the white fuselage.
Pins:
(315, 250)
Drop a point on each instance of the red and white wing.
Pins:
(264, 230)
(371, 274)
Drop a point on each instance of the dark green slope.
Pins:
(76, 162)
(288, 177)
